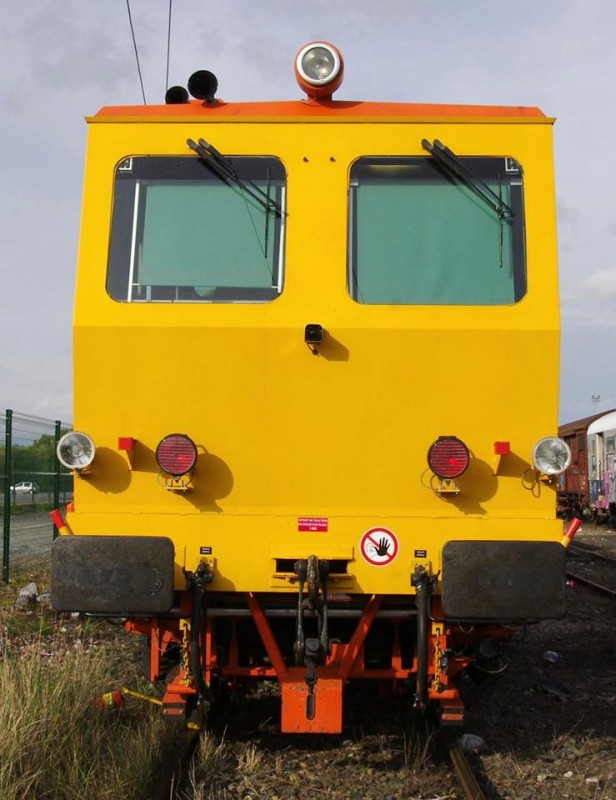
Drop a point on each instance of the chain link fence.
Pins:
(33, 482)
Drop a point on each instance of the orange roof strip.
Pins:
(312, 109)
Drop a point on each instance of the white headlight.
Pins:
(76, 450)
(551, 455)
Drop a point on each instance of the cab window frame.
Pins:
(172, 182)
(444, 283)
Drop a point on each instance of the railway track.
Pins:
(593, 569)
(465, 774)
(171, 785)
(243, 759)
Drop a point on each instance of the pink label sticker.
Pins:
(312, 524)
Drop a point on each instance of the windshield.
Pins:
(181, 233)
(421, 235)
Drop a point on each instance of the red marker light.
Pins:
(502, 448)
(176, 454)
(448, 457)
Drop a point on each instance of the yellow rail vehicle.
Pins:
(316, 360)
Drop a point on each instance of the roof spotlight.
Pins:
(203, 85)
(319, 69)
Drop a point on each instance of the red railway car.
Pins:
(573, 484)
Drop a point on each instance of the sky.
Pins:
(62, 60)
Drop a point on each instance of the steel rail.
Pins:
(596, 586)
(464, 773)
(584, 552)
(170, 783)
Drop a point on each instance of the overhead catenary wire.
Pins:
(168, 46)
(132, 30)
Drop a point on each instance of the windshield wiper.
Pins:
(222, 166)
(450, 162)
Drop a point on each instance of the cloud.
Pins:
(600, 285)
(569, 213)
(37, 383)
(63, 60)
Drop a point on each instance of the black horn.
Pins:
(203, 85)
(176, 95)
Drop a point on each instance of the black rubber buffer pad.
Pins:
(124, 575)
(505, 581)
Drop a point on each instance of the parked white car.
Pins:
(25, 487)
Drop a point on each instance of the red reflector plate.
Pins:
(176, 454)
(448, 457)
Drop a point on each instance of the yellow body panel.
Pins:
(285, 435)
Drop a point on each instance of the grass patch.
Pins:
(56, 743)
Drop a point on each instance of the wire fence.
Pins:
(33, 482)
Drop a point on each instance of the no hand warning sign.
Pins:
(379, 547)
